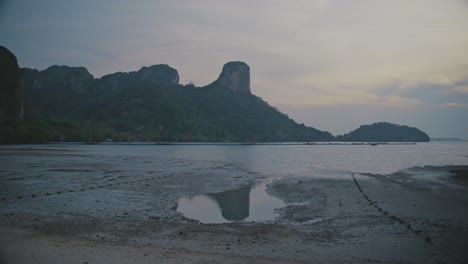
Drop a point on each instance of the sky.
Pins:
(333, 65)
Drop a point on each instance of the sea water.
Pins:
(41, 167)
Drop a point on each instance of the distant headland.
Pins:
(63, 103)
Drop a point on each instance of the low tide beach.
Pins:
(234, 204)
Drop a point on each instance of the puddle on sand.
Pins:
(247, 203)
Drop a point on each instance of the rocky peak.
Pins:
(67, 73)
(158, 73)
(235, 76)
(11, 90)
(75, 78)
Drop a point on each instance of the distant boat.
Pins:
(373, 144)
(164, 143)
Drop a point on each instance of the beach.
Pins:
(66, 205)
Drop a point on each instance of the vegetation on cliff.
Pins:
(63, 103)
(67, 103)
(385, 132)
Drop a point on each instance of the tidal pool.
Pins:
(247, 203)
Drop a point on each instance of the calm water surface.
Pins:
(309, 160)
(248, 203)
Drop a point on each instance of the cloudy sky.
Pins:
(333, 65)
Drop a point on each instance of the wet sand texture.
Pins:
(68, 208)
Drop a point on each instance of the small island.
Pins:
(385, 132)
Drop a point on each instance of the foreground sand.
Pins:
(417, 215)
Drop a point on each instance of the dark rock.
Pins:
(11, 89)
(158, 73)
(235, 76)
(60, 78)
(150, 102)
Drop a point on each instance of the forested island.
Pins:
(63, 103)
(385, 132)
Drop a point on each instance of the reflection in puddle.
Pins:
(242, 204)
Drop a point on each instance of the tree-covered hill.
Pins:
(385, 132)
(68, 103)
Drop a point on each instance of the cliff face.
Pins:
(156, 74)
(235, 76)
(11, 90)
(78, 80)
(151, 104)
(74, 78)
(161, 73)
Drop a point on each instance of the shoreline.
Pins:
(175, 143)
(325, 219)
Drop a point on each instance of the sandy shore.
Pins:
(66, 212)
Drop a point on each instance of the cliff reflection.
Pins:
(234, 204)
(247, 203)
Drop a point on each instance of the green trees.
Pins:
(142, 109)
(385, 132)
(69, 104)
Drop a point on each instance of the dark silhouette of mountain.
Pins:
(235, 76)
(385, 132)
(11, 92)
(68, 103)
(11, 96)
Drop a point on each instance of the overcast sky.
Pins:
(333, 65)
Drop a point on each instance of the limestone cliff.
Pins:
(74, 78)
(235, 76)
(11, 90)
(161, 73)
(149, 104)
(158, 73)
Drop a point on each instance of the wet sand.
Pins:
(64, 207)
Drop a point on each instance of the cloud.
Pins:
(455, 104)
(439, 93)
(396, 55)
(460, 89)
